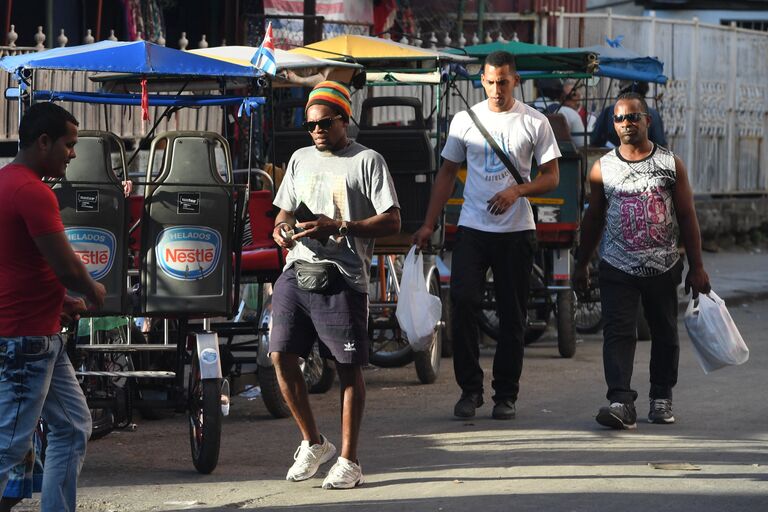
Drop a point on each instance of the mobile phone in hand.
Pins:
(303, 213)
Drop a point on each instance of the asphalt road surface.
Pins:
(417, 457)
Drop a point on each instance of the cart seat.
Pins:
(289, 135)
(188, 228)
(410, 158)
(261, 260)
(94, 213)
(559, 211)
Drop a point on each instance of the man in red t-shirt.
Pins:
(37, 265)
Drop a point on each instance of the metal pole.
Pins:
(480, 16)
(310, 29)
(8, 17)
(250, 153)
(692, 96)
(731, 174)
(98, 20)
(49, 23)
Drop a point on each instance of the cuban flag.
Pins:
(264, 58)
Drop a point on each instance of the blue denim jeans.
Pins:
(37, 379)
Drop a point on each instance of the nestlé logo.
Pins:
(188, 253)
(95, 247)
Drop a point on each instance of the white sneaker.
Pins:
(345, 474)
(309, 459)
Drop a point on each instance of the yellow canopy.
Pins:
(364, 48)
(242, 55)
(292, 68)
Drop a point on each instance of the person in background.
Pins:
(571, 108)
(550, 90)
(641, 203)
(604, 133)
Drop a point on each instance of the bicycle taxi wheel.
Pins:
(205, 417)
(389, 345)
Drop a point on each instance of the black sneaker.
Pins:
(504, 410)
(661, 411)
(617, 415)
(465, 407)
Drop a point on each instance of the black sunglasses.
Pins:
(632, 117)
(324, 124)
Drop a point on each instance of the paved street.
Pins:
(417, 457)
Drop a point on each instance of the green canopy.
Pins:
(536, 57)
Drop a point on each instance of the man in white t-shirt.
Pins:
(496, 229)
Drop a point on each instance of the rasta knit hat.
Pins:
(332, 94)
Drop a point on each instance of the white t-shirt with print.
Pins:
(522, 133)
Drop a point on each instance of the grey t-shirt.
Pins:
(351, 184)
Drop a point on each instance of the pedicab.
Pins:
(187, 243)
(401, 115)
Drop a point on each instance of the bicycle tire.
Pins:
(447, 345)
(388, 346)
(270, 392)
(589, 309)
(589, 316)
(205, 419)
(488, 319)
(102, 423)
(427, 362)
(319, 373)
(566, 327)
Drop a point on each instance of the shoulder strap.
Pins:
(496, 149)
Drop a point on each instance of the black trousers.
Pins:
(620, 295)
(510, 256)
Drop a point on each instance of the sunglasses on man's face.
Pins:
(633, 117)
(324, 124)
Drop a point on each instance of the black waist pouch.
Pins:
(316, 277)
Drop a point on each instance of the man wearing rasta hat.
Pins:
(334, 95)
(336, 198)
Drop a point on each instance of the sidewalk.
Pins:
(735, 275)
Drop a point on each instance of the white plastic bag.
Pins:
(716, 340)
(418, 311)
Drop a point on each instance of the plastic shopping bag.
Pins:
(418, 311)
(716, 340)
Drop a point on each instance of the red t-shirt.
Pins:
(31, 296)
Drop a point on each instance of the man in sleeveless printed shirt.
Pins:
(642, 204)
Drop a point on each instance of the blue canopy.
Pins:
(138, 57)
(624, 64)
(154, 100)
